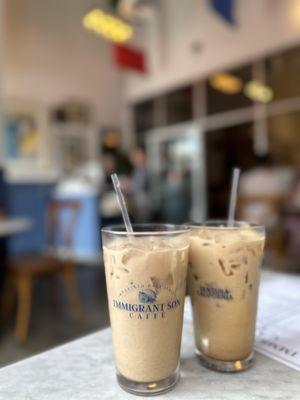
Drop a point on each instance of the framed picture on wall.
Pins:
(25, 141)
(23, 131)
(20, 136)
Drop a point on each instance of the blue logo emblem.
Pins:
(147, 296)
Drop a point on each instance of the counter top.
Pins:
(84, 370)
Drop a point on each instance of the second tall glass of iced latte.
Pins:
(223, 284)
(146, 281)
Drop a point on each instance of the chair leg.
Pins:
(8, 296)
(72, 291)
(24, 292)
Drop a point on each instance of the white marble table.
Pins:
(84, 370)
(10, 226)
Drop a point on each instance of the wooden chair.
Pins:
(23, 271)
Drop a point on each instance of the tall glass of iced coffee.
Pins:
(146, 273)
(223, 282)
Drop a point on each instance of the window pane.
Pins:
(179, 105)
(284, 134)
(143, 117)
(219, 101)
(282, 74)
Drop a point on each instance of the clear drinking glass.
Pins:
(146, 275)
(223, 282)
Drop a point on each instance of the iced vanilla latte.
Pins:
(223, 284)
(146, 283)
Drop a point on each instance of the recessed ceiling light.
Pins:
(226, 83)
(256, 91)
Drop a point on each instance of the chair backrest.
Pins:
(261, 209)
(62, 217)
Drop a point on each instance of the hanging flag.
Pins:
(225, 8)
(128, 58)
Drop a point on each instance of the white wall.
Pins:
(262, 26)
(49, 57)
(1, 46)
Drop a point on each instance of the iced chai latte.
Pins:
(223, 284)
(146, 281)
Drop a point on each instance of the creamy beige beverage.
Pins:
(223, 284)
(146, 283)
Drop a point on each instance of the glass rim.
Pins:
(213, 224)
(155, 229)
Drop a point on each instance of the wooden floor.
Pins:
(52, 323)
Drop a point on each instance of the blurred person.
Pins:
(109, 164)
(3, 241)
(294, 195)
(111, 145)
(176, 198)
(292, 216)
(109, 208)
(264, 189)
(263, 193)
(139, 186)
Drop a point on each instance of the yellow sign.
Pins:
(110, 27)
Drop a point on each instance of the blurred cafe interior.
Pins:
(170, 95)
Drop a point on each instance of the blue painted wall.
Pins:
(29, 200)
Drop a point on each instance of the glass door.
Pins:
(176, 165)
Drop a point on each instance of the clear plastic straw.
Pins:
(122, 203)
(233, 196)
